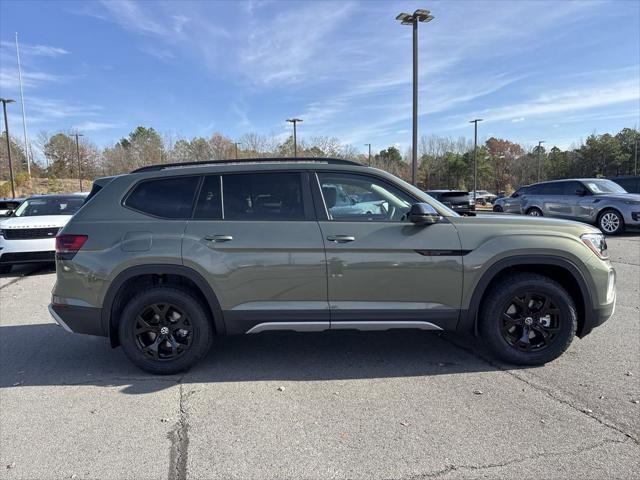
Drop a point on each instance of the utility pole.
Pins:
(6, 132)
(24, 115)
(78, 154)
(539, 152)
(475, 157)
(236, 144)
(295, 139)
(369, 145)
(413, 19)
(635, 161)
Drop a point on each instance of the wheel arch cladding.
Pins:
(130, 281)
(559, 269)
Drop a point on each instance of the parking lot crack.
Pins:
(449, 468)
(179, 437)
(546, 390)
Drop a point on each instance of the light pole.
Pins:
(539, 151)
(635, 161)
(413, 19)
(78, 154)
(369, 145)
(236, 144)
(475, 157)
(6, 132)
(295, 139)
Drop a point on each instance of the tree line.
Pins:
(444, 162)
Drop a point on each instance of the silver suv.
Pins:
(598, 201)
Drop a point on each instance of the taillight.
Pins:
(68, 245)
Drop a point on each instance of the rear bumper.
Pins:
(74, 319)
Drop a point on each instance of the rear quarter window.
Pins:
(164, 197)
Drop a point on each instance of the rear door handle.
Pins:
(341, 238)
(218, 238)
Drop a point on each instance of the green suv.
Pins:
(166, 258)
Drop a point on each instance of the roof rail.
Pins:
(163, 166)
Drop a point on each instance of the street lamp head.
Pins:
(476, 120)
(423, 15)
(294, 120)
(541, 142)
(405, 18)
(7, 100)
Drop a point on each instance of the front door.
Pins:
(384, 272)
(255, 239)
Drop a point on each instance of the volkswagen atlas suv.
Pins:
(165, 258)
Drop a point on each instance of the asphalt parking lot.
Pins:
(401, 405)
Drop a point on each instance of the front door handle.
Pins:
(341, 238)
(218, 238)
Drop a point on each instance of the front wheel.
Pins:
(528, 319)
(611, 222)
(497, 208)
(165, 330)
(534, 212)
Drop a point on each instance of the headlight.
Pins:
(632, 202)
(597, 244)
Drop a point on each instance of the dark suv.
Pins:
(164, 258)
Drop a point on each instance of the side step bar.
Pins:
(321, 326)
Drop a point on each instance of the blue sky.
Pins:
(556, 71)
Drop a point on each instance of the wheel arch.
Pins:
(115, 297)
(561, 269)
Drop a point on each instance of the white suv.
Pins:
(28, 234)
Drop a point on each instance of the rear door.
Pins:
(384, 272)
(255, 239)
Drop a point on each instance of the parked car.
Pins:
(631, 183)
(510, 204)
(8, 205)
(457, 200)
(593, 200)
(483, 197)
(28, 235)
(163, 259)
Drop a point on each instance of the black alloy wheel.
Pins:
(163, 332)
(530, 322)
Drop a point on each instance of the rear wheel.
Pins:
(611, 222)
(164, 330)
(528, 319)
(534, 212)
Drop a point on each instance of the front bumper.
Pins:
(40, 250)
(75, 319)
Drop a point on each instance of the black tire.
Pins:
(611, 222)
(149, 346)
(505, 335)
(534, 212)
(498, 208)
(5, 269)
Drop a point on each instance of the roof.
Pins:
(248, 161)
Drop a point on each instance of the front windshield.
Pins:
(603, 186)
(33, 207)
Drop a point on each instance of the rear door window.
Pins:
(164, 197)
(209, 206)
(262, 196)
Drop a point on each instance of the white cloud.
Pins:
(9, 79)
(95, 126)
(517, 120)
(27, 50)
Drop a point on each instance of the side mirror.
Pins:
(423, 214)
